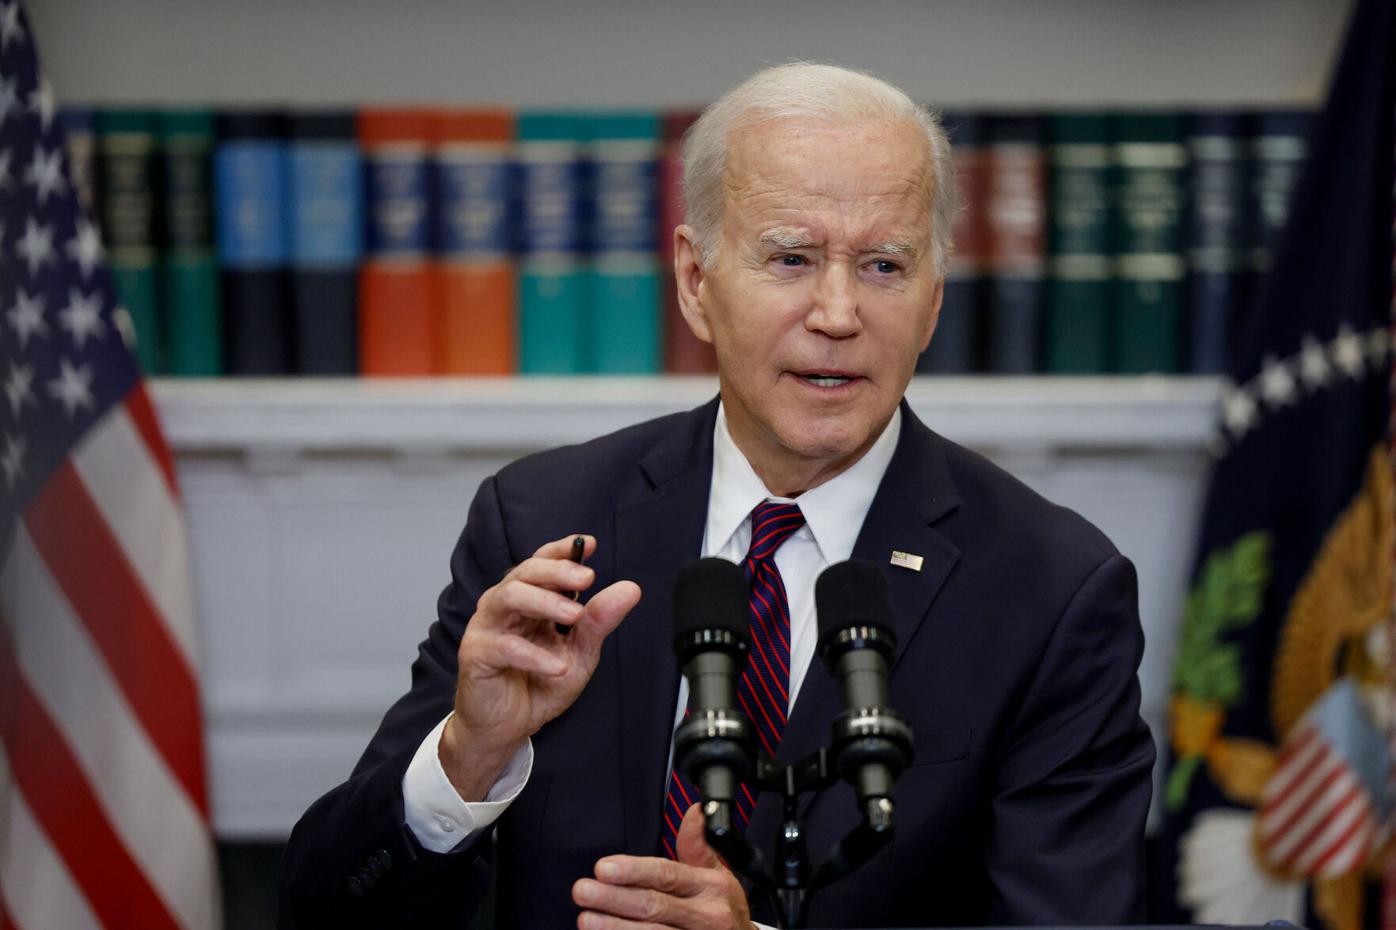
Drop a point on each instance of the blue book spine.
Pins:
(327, 220)
(1216, 234)
(250, 174)
(623, 289)
(552, 281)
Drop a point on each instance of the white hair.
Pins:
(825, 93)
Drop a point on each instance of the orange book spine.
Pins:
(397, 297)
(477, 322)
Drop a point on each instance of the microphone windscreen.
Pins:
(852, 593)
(711, 594)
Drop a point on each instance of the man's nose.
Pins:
(834, 303)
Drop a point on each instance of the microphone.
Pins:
(715, 747)
(872, 742)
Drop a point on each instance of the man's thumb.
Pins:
(691, 845)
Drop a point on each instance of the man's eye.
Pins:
(792, 261)
(886, 267)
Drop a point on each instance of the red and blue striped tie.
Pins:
(763, 691)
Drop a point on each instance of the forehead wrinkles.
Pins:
(879, 168)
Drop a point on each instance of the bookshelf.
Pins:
(323, 512)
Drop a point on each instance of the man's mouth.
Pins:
(826, 379)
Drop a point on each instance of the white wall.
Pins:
(668, 53)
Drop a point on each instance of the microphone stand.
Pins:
(794, 883)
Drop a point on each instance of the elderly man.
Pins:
(820, 204)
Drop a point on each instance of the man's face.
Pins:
(823, 291)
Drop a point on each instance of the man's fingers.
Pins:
(557, 574)
(608, 607)
(516, 599)
(562, 548)
(691, 844)
(653, 873)
(506, 651)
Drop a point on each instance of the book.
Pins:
(478, 324)
(80, 138)
(397, 294)
(684, 353)
(193, 322)
(1279, 144)
(956, 345)
(1215, 234)
(1077, 338)
(552, 301)
(1016, 223)
(326, 218)
(1150, 160)
(623, 309)
(249, 180)
(128, 189)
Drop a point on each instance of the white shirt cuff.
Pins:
(435, 812)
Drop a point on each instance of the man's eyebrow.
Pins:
(894, 247)
(785, 238)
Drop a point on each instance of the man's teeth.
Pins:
(824, 381)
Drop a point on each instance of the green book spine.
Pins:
(193, 337)
(622, 239)
(1150, 161)
(127, 205)
(554, 329)
(1079, 263)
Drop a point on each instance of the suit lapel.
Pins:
(915, 492)
(658, 529)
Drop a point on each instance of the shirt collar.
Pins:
(834, 511)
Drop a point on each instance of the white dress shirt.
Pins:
(834, 513)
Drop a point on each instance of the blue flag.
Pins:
(1276, 796)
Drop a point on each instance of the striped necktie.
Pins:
(763, 691)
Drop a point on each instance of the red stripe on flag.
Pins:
(143, 416)
(57, 793)
(1341, 843)
(88, 563)
(7, 922)
(1276, 834)
(1317, 829)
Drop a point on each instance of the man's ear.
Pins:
(688, 276)
(934, 316)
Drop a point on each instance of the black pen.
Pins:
(579, 546)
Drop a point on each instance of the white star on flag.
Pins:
(35, 246)
(1314, 369)
(13, 460)
(85, 247)
(1238, 411)
(42, 102)
(1276, 382)
(27, 318)
(10, 29)
(1347, 352)
(72, 388)
(9, 99)
(19, 388)
(45, 173)
(125, 327)
(82, 318)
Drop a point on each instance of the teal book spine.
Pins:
(1079, 245)
(553, 306)
(1150, 283)
(622, 242)
(128, 195)
(193, 328)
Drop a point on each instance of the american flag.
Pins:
(104, 809)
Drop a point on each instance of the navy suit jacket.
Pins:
(1018, 645)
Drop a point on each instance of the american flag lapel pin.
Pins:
(906, 560)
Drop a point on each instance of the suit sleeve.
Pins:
(1066, 844)
(351, 860)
